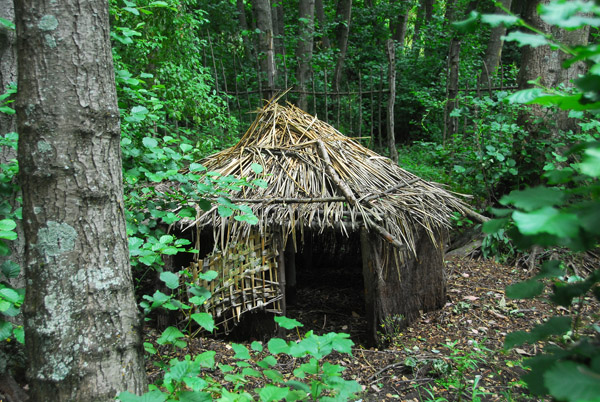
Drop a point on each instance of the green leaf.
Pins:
(554, 326)
(208, 275)
(547, 220)
(19, 334)
(525, 290)
(10, 269)
(170, 279)
(250, 372)
(494, 225)
(10, 295)
(185, 147)
(591, 162)
(565, 293)
(277, 345)
(206, 359)
(152, 396)
(572, 382)
(5, 329)
(241, 352)
(149, 142)
(568, 14)
(273, 375)
(499, 19)
(169, 336)
(194, 396)
(550, 269)
(4, 249)
(7, 225)
(224, 211)
(272, 393)
(287, 323)
(205, 320)
(258, 169)
(467, 25)
(256, 346)
(267, 362)
(525, 96)
(526, 39)
(534, 198)
(8, 24)
(196, 167)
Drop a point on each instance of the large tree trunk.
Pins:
(264, 23)
(546, 64)
(82, 325)
(344, 17)
(305, 48)
(493, 52)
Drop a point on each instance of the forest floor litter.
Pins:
(457, 347)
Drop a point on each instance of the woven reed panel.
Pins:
(247, 280)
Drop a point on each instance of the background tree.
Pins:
(342, 31)
(305, 47)
(81, 321)
(264, 23)
(493, 51)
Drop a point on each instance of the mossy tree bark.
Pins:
(82, 326)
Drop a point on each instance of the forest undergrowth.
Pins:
(453, 354)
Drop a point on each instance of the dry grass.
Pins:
(319, 178)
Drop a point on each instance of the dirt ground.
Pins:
(459, 346)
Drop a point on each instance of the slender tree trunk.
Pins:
(427, 21)
(305, 47)
(241, 9)
(391, 134)
(82, 326)
(278, 25)
(452, 88)
(493, 52)
(320, 14)
(264, 23)
(344, 17)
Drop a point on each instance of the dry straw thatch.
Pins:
(319, 178)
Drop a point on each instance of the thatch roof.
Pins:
(319, 178)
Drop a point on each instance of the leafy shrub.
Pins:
(197, 379)
(565, 212)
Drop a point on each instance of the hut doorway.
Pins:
(327, 294)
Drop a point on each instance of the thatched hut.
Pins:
(320, 181)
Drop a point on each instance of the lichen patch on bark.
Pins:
(56, 238)
(48, 23)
